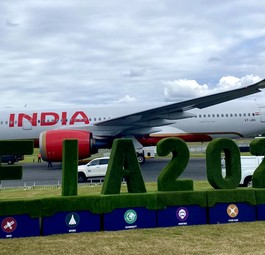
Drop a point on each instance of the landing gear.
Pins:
(248, 182)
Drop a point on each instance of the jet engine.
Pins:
(51, 143)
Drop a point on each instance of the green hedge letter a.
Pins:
(123, 164)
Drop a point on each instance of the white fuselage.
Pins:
(231, 119)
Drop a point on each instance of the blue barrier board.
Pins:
(19, 226)
(261, 212)
(129, 218)
(70, 222)
(181, 216)
(232, 212)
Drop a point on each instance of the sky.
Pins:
(83, 52)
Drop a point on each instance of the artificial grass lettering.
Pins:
(167, 180)
(232, 161)
(257, 147)
(14, 148)
(123, 163)
(70, 163)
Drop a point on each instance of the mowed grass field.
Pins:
(234, 238)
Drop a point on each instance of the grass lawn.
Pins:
(234, 238)
(83, 190)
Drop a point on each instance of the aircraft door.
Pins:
(262, 114)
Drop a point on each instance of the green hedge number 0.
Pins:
(232, 176)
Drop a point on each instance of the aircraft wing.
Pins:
(164, 115)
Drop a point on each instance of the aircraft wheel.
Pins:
(248, 182)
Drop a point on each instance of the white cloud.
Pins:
(134, 73)
(231, 82)
(184, 89)
(127, 99)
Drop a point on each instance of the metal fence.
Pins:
(36, 186)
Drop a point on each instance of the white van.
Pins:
(94, 169)
(248, 165)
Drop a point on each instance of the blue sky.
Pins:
(79, 52)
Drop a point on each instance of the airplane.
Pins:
(97, 126)
(231, 120)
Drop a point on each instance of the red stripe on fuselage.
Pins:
(153, 140)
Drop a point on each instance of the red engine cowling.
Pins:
(51, 143)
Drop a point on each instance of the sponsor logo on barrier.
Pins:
(9, 225)
(72, 220)
(182, 214)
(232, 211)
(130, 216)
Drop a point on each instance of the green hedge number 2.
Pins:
(180, 158)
